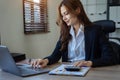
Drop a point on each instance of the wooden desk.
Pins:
(101, 73)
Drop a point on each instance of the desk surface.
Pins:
(100, 73)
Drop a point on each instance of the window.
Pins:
(35, 16)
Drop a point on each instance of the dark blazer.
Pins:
(97, 48)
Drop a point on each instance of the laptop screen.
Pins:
(6, 61)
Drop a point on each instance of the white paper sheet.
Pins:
(61, 71)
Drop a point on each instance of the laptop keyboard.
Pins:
(29, 68)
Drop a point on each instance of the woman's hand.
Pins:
(83, 63)
(39, 63)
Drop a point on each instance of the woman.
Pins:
(80, 41)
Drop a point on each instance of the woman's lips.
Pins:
(67, 21)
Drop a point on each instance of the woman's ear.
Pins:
(77, 10)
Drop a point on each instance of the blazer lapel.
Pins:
(88, 42)
(65, 56)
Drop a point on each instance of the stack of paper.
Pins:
(61, 71)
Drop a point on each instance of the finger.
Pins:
(39, 63)
(76, 63)
(83, 63)
(43, 64)
(87, 63)
(34, 63)
(80, 63)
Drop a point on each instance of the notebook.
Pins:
(61, 71)
(8, 64)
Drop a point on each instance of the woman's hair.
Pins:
(71, 6)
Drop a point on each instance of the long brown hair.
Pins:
(71, 5)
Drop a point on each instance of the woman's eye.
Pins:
(66, 13)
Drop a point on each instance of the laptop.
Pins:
(8, 64)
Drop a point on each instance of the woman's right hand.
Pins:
(39, 63)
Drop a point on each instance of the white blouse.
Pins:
(76, 46)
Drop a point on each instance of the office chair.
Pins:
(108, 26)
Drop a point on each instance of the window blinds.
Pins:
(35, 16)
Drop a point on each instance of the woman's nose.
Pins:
(64, 18)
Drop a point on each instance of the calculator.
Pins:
(72, 68)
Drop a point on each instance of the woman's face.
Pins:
(68, 17)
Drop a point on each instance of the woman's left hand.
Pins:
(83, 63)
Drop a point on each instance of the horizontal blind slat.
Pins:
(35, 16)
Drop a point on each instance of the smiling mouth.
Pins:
(67, 21)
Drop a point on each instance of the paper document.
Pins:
(61, 71)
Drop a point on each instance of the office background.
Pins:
(41, 45)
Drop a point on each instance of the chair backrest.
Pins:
(107, 26)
